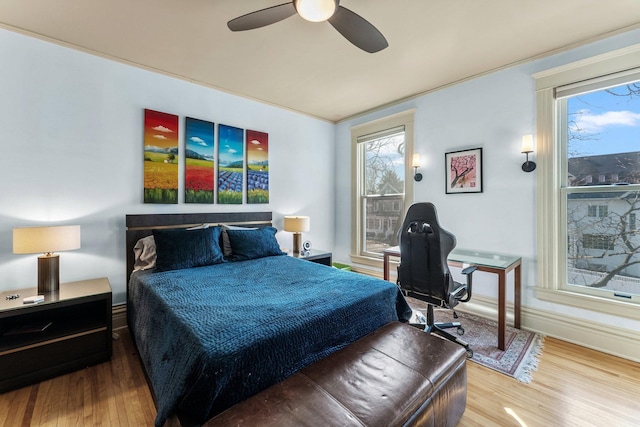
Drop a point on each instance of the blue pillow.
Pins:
(251, 244)
(182, 248)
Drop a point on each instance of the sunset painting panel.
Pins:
(230, 164)
(160, 157)
(257, 167)
(199, 161)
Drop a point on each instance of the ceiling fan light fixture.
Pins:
(316, 10)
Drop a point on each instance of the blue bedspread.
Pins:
(210, 337)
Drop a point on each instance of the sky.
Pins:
(199, 137)
(257, 146)
(610, 123)
(160, 129)
(231, 144)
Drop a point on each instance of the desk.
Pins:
(492, 263)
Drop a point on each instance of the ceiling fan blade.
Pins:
(263, 17)
(358, 30)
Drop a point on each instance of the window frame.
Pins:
(406, 119)
(552, 173)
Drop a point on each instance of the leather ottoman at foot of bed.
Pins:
(395, 376)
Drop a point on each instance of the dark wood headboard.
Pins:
(142, 225)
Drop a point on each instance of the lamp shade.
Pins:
(316, 10)
(32, 240)
(415, 163)
(296, 224)
(527, 144)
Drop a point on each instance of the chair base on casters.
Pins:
(439, 329)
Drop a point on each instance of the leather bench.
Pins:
(396, 376)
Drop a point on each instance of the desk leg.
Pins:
(517, 296)
(385, 267)
(502, 309)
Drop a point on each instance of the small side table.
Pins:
(69, 330)
(315, 255)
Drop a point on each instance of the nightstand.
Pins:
(317, 256)
(69, 330)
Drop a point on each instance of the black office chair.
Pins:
(423, 272)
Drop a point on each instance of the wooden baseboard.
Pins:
(119, 316)
(608, 339)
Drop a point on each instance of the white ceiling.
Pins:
(310, 67)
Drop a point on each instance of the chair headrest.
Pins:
(419, 227)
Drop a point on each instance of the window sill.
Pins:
(364, 260)
(590, 302)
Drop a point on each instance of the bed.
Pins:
(213, 334)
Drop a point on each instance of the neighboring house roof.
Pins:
(388, 188)
(620, 168)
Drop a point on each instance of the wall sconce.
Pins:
(296, 225)
(46, 240)
(415, 164)
(527, 147)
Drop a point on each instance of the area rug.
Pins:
(523, 348)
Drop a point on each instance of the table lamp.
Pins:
(46, 240)
(296, 225)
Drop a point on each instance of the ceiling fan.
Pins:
(352, 26)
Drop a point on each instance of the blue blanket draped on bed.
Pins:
(212, 336)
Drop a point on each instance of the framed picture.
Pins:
(463, 171)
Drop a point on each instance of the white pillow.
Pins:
(145, 253)
(199, 227)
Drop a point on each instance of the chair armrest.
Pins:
(469, 273)
(469, 270)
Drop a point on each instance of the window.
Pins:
(598, 211)
(598, 241)
(381, 190)
(589, 172)
(599, 134)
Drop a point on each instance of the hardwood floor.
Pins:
(573, 386)
(109, 394)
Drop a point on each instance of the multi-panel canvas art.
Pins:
(230, 164)
(160, 157)
(199, 161)
(257, 167)
(211, 167)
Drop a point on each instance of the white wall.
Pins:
(492, 112)
(71, 141)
